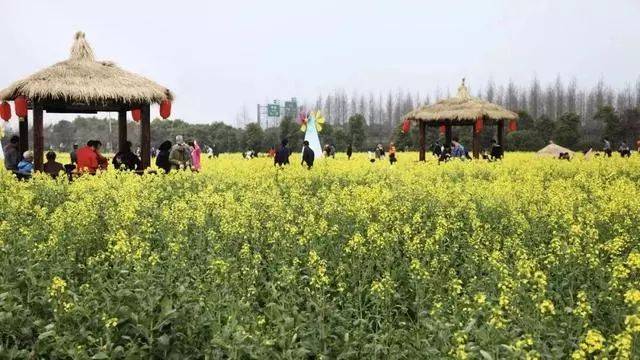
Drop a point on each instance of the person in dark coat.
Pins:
(12, 154)
(349, 151)
(307, 155)
(436, 149)
(126, 159)
(496, 150)
(162, 160)
(52, 167)
(73, 154)
(282, 155)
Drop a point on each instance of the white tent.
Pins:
(554, 150)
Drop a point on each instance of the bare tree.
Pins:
(372, 109)
(535, 103)
(328, 110)
(491, 91)
(550, 102)
(571, 98)
(560, 101)
(512, 96)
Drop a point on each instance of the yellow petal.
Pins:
(318, 127)
(303, 128)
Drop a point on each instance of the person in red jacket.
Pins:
(87, 157)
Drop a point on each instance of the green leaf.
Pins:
(46, 334)
(486, 355)
(100, 355)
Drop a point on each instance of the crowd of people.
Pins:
(445, 153)
(88, 159)
(183, 155)
(623, 149)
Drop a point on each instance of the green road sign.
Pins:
(273, 110)
(291, 108)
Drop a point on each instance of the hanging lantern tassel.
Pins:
(406, 126)
(443, 129)
(479, 124)
(136, 114)
(165, 109)
(21, 106)
(513, 126)
(5, 111)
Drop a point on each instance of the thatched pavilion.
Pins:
(462, 110)
(83, 85)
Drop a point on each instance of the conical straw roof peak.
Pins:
(463, 92)
(81, 50)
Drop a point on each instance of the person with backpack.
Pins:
(180, 155)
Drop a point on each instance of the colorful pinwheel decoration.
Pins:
(314, 117)
(302, 120)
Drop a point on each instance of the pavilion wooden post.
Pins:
(122, 129)
(38, 137)
(145, 136)
(476, 141)
(447, 135)
(500, 134)
(23, 132)
(423, 145)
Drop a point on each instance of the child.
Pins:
(25, 166)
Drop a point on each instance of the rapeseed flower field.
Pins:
(526, 258)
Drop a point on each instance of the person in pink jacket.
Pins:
(195, 155)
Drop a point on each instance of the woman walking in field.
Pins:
(392, 154)
(195, 155)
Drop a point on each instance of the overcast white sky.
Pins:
(218, 56)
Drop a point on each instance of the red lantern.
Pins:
(406, 126)
(136, 114)
(443, 129)
(21, 106)
(513, 126)
(165, 109)
(479, 124)
(5, 111)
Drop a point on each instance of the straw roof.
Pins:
(554, 150)
(461, 108)
(82, 79)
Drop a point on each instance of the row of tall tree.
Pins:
(548, 112)
(552, 100)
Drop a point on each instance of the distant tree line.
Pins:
(572, 117)
(62, 135)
